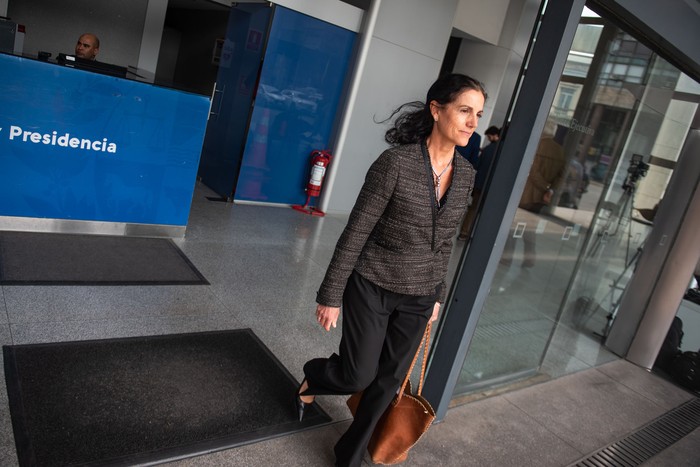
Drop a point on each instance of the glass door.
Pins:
(614, 133)
(239, 61)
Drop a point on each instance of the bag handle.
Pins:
(424, 345)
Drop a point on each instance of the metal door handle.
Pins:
(221, 98)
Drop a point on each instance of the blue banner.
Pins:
(79, 145)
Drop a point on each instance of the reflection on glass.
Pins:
(582, 49)
(614, 132)
(295, 106)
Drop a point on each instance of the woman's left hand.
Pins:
(436, 310)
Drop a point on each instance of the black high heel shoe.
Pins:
(300, 404)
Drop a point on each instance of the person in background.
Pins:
(546, 175)
(389, 266)
(482, 166)
(87, 47)
(471, 151)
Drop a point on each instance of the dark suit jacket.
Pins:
(389, 235)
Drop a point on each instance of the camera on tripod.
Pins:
(636, 171)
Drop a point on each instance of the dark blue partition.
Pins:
(236, 82)
(301, 83)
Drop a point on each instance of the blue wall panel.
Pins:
(136, 151)
(301, 83)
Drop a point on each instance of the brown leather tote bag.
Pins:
(406, 419)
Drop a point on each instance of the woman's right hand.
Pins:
(327, 316)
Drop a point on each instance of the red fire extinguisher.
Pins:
(319, 164)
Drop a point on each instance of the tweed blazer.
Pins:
(389, 236)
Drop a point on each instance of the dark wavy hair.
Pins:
(415, 122)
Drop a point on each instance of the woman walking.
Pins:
(389, 266)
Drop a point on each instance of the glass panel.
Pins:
(606, 154)
(300, 87)
(628, 206)
(581, 54)
(565, 101)
(242, 51)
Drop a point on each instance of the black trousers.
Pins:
(381, 333)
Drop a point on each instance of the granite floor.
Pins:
(556, 423)
(264, 265)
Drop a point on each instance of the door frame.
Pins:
(525, 121)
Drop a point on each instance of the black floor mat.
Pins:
(30, 258)
(146, 399)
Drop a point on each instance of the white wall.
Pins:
(404, 58)
(54, 27)
(497, 64)
(489, 64)
(480, 19)
(3, 7)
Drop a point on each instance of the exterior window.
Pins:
(614, 129)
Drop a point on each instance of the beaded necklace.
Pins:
(436, 181)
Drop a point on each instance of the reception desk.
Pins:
(85, 152)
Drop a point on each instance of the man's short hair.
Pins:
(97, 39)
(493, 130)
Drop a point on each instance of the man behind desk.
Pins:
(87, 47)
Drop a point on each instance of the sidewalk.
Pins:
(555, 423)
